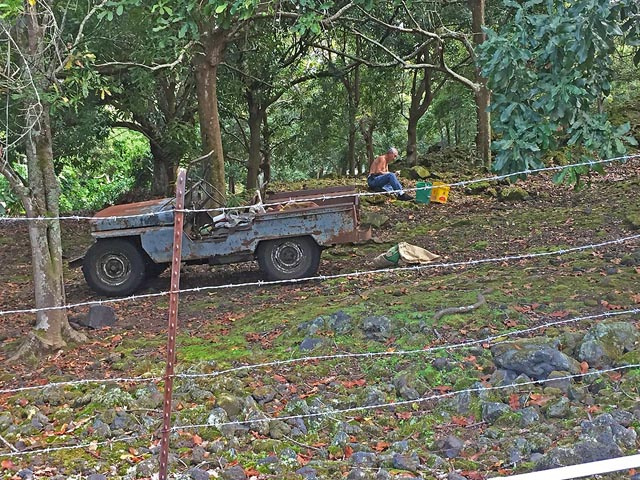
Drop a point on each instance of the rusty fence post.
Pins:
(172, 330)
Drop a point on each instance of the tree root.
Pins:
(72, 334)
(467, 308)
(33, 346)
(28, 351)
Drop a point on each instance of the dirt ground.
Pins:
(467, 227)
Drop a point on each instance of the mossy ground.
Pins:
(227, 328)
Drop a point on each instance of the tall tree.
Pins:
(35, 44)
(402, 32)
(481, 93)
(421, 96)
(208, 27)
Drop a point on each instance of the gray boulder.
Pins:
(217, 416)
(529, 416)
(231, 404)
(340, 322)
(26, 474)
(307, 473)
(377, 328)
(99, 316)
(601, 439)
(559, 409)
(198, 474)
(604, 344)
(606, 429)
(364, 459)
(455, 476)
(491, 411)
(310, 343)
(357, 474)
(147, 467)
(534, 360)
(518, 449)
(406, 462)
(234, 473)
(450, 446)
(6, 420)
(264, 394)
(374, 219)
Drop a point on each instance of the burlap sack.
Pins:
(404, 254)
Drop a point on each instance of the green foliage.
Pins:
(111, 170)
(10, 8)
(10, 204)
(548, 67)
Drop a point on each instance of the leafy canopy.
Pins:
(549, 66)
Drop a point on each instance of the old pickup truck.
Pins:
(286, 235)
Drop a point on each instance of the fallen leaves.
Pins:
(539, 399)
(353, 383)
(526, 308)
(442, 389)
(8, 465)
(514, 401)
(381, 446)
(264, 339)
(460, 421)
(610, 306)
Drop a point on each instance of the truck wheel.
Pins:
(114, 267)
(287, 258)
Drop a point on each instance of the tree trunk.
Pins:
(256, 113)
(41, 198)
(352, 87)
(46, 242)
(206, 71)
(351, 149)
(266, 152)
(482, 95)
(367, 126)
(161, 180)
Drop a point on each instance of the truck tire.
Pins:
(288, 258)
(114, 267)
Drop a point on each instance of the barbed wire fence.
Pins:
(502, 337)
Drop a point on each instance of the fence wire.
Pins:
(394, 270)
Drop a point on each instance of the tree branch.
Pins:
(153, 68)
(80, 34)
(15, 181)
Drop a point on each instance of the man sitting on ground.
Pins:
(381, 179)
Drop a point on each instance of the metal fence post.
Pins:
(173, 320)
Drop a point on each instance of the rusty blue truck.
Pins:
(286, 235)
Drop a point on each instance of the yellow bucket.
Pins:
(440, 192)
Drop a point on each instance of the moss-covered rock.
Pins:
(375, 219)
(418, 173)
(513, 194)
(632, 218)
(477, 188)
(606, 343)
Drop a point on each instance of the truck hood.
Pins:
(152, 213)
